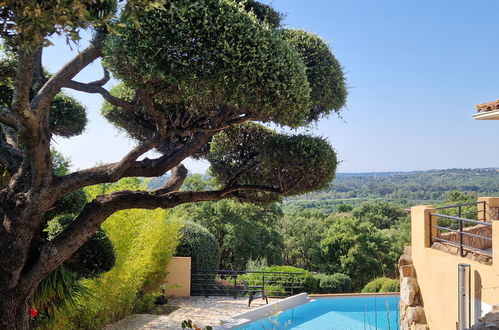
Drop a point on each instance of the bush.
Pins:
(382, 284)
(392, 285)
(335, 283)
(199, 244)
(144, 242)
(279, 284)
(93, 258)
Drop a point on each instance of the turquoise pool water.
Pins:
(342, 313)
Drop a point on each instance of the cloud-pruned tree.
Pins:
(193, 76)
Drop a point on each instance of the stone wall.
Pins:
(475, 242)
(412, 315)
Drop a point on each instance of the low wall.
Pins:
(437, 275)
(178, 278)
(476, 242)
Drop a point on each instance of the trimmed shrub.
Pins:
(382, 284)
(93, 258)
(279, 284)
(393, 285)
(199, 244)
(335, 283)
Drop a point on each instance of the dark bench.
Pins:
(256, 292)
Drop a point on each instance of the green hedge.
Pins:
(334, 283)
(280, 284)
(199, 244)
(382, 284)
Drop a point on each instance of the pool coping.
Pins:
(264, 311)
(359, 294)
(285, 304)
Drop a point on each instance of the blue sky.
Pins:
(415, 70)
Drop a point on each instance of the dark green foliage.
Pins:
(302, 231)
(344, 208)
(7, 76)
(256, 155)
(137, 125)
(406, 189)
(263, 12)
(212, 53)
(71, 203)
(280, 284)
(382, 214)
(334, 283)
(382, 284)
(60, 290)
(199, 244)
(67, 116)
(359, 250)
(324, 73)
(243, 231)
(94, 257)
(305, 281)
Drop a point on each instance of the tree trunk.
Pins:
(15, 306)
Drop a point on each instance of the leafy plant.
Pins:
(382, 284)
(334, 283)
(199, 244)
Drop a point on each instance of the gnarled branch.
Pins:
(94, 213)
(97, 89)
(42, 100)
(143, 168)
(179, 173)
(8, 118)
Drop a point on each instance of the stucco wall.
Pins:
(179, 274)
(438, 278)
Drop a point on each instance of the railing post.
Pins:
(235, 285)
(490, 207)
(461, 251)
(292, 284)
(495, 245)
(206, 285)
(263, 281)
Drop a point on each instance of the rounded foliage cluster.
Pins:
(334, 283)
(199, 244)
(382, 284)
(263, 12)
(256, 155)
(67, 116)
(324, 73)
(94, 257)
(211, 53)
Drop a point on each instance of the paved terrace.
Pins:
(202, 311)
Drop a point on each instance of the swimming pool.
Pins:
(378, 312)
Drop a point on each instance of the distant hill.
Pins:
(405, 188)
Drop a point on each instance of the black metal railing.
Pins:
(237, 283)
(452, 228)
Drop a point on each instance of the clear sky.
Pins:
(415, 70)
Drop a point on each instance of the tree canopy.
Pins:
(196, 79)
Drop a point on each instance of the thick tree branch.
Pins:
(8, 118)
(42, 100)
(179, 173)
(22, 88)
(10, 158)
(94, 213)
(104, 80)
(143, 168)
(96, 89)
